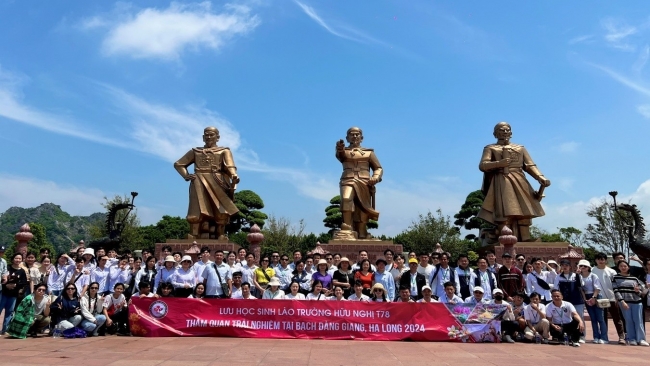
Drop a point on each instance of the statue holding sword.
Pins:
(509, 198)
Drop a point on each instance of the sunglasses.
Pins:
(275, 256)
(265, 260)
(285, 259)
(329, 259)
(40, 290)
(94, 288)
(521, 259)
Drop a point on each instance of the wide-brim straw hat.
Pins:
(170, 258)
(378, 286)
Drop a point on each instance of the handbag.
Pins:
(224, 286)
(603, 303)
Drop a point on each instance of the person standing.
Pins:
(629, 292)
(592, 289)
(484, 278)
(510, 279)
(571, 285)
(384, 277)
(606, 275)
(15, 282)
(464, 273)
(539, 281)
(442, 274)
(413, 280)
(217, 278)
(199, 265)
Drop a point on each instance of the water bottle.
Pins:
(57, 332)
(566, 339)
(538, 339)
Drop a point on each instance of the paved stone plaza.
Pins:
(134, 351)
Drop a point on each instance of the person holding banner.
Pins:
(184, 279)
(358, 294)
(317, 292)
(295, 294)
(273, 291)
(338, 294)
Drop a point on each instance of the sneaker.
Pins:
(575, 344)
(508, 339)
(544, 341)
(582, 340)
(596, 341)
(631, 343)
(621, 341)
(644, 344)
(602, 341)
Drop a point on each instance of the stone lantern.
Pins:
(23, 236)
(254, 238)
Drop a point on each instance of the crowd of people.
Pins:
(90, 291)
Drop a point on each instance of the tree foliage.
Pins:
(467, 216)
(609, 232)
(131, 236)
(169, 227)
(334, 218)
(249, 204)
(428, 230)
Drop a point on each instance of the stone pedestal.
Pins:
(351, 248)
(543, 250)
(192, 247)
(23, 236)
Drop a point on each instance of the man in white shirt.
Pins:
(309, 265)
(478, 297)
(605, 275)
(363, 254)
(441, 274)
(297, 257)
(284, 273)
(483, 277)
(217, 276)
(450, 296)
(424, 268)
(236, 285)
(564, 319)
(427, 295)
(199, 266)
(358, 294)
(535, 315)
(245, 293)
(404, 295)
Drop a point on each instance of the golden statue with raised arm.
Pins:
(509, 198)
(212, 187)
(357, 185)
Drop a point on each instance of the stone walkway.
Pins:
(134, 351)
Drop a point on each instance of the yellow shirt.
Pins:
(261, 278)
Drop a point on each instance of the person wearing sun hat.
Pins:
(165, 273)
(344, 277)
(89, 259)
(273, 292)
(378, 293)
(413, 280)
(592, 288)
(385, 278)
(185, 278)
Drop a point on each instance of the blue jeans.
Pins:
(634, 328)
(7, 303)
(580, 309)
(598, 324)
(56, 293)
(92, 328)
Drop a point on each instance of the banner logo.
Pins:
(158, 309)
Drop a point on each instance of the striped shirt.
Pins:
(510, 281)
(624, 289)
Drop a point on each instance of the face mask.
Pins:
(498, 297)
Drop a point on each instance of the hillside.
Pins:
(62, 229)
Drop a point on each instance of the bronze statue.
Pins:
(212, 187)
(509, 198)
(357, 185)
(636, 231)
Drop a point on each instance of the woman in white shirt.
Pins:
(92, 307)
(338, 294)
(199, 292)
(184, 279)
(378, 293)
(316, 291)
(592, 289)
(116, 310)
(147, 273)
(273, 292)
(165, 273)
(295, 294)
(58, 274)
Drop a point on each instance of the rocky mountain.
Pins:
(63, 230)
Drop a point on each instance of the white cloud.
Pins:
(575, 213)
(617, 33)
(642, 60)
(12, 107)
(167, 33)
(644, 110)
(581, 39)
(624, 80)
(568, 147)
(77, 201)
(342, 31)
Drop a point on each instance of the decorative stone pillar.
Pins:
(508, 241)
(23, 236)
(438, 249)
(254, 238)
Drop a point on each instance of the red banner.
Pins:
(171, 317)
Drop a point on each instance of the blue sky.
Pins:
(100, 98)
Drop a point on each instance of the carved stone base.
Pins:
(543, 250)
(345, 235)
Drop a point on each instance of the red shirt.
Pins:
(365, 280)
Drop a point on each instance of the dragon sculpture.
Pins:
(636, 232)
(114, 228)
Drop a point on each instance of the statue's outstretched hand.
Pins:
(235, 179)
(543, 181)
(190, 177)
(340, 145)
